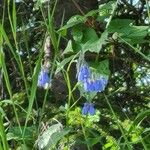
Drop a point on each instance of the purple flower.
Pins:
(88, 108)
(43, 79)
(100, 84)
(97, 85)
(84, 73)
(89, 86)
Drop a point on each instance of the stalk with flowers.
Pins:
(91, 82)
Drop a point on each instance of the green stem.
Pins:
(120, 127)
(3, 135)
(136, 50)
(84, 133)
(148, 11)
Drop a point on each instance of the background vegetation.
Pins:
(112, 37)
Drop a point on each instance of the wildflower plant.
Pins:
(44, 80)
(101, 34)
(91, 82)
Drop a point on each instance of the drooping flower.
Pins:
(85, 109)
(88, 108)
(43, 79)
(97, 85)
(104, 82)
(89, 85)
(84, 73)
(100, 84)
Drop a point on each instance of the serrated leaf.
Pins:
(15, 134)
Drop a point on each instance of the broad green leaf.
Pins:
(105, 10)
(101, 67)
(56, 137)
(127, 31)
(51, 136)
(15, 134)
(72, 47)
(92, 141)
(89, 34)
(92, 13)
(95, 45)
(119, 25)
(47, 135)
(77, 19)
(77, 33)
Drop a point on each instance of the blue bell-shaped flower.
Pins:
(85, 109)
(89, 85)
(43, 79)
(84, 73)
(88, 108)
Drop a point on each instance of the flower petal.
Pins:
(91, 109)
(43, 78)
(85, 109)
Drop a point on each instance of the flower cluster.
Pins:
(97, 85)
(91, 82)
(43, 79)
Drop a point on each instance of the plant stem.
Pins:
(120, 127)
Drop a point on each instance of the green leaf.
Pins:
(95, 45)
(127, 31)
(89, 34)
(56, 137)
(141, 116)
(119, 25)
(92, 141)
(51, 136)
(105, 10)
(15, 134)
(61, 65)
(69, 48)
(77, 33)
(46, 136)
(101, 67)
(77, 19)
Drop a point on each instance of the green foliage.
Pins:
(113, 40)
(129, 32)
(51, 136)
(105, 10)
(76, 118)
(101, 67)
